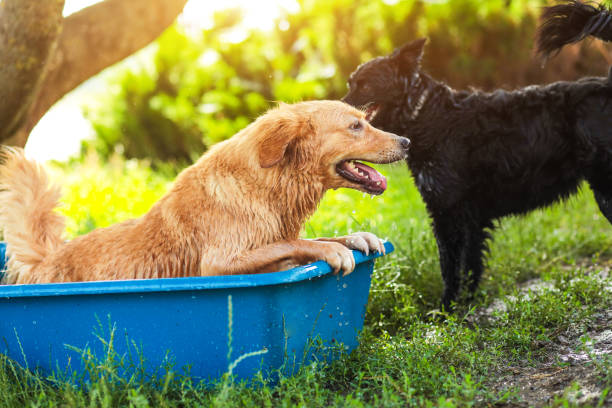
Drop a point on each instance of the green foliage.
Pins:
(144, 115)
(202, 88)
(97, 194)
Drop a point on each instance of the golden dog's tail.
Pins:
(32, 230)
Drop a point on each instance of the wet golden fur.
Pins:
(238, 209)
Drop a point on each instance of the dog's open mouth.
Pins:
(371, 109)
(366, 177)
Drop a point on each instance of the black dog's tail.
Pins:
(570, 22)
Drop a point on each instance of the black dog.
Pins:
(476, 156)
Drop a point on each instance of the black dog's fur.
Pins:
(476, 156)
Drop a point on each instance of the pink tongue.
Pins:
(375, 176)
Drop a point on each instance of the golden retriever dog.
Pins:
(238, 210)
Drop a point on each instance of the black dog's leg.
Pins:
(604, 201)
(450, 237)
(601, 183)
(475, 252)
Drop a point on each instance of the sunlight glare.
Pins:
(259, 14)
(72, 6)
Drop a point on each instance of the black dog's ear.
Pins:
(410, 55)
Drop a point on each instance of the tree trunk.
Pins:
(91, 40)
(28, 34)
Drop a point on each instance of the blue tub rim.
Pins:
(301, 273)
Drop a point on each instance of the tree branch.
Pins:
(28, 34)
(93, 39)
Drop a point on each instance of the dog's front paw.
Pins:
(365, 242)
(338, 256)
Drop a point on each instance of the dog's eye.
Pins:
(356, 125)
(364, 85)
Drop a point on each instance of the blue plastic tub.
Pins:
(273, 321)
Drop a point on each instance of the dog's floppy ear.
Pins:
(410, 55)
(277, 133)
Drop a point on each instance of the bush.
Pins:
(202, 89)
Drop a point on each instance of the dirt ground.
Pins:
(571, 368)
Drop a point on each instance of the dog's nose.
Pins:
(405, 143)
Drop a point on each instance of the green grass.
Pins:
(406, 357)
